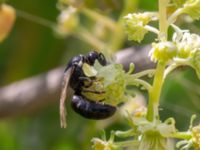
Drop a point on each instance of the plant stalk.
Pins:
(181, 135)
(163, 23)
(154, 94)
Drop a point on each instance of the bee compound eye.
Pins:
(102, 59)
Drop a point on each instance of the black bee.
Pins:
(74, 78)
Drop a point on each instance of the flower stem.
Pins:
(154, 93)
(127, 143)
(36, 19)
(137, 82)
(174, 16)
(152, 29)
(171, 67)
(181, 135)
(163, 24)
(143, 73)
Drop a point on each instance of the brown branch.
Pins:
(136, 55)
(30, 94)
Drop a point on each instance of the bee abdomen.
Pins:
(90, 109)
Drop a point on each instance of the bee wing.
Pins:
(64, 95)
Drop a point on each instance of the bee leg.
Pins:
(102, 100)
(93, 91)
(88, 80)
(98, 79)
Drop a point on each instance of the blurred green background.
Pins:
(32, 49)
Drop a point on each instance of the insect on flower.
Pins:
(76, 81)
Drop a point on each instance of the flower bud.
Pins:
(163, 51)
(99, 144)
(7, 19)
(67, 21)
(135, 25)
(186, 43)
(196, 136)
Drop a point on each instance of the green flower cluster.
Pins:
(135, 24)
(110, 80)
(154, 134)
(191, 137)
(192, 8)
(67, 21)
(186, 43)
(184, 49)
(188, 49)
(114, 83)
(196, 135)
(99, 144)
(163, 51)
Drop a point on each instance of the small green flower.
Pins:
(110, 82)
(134, 105)
(67, 21)
(188, 46)
(186, 43)
(195, 61)
(192, 137)
(196, 136)
(135, 24)
(192, 8)
(154, 134)
(99, 144)
(163, 51)
(114, 83)
(154, 141)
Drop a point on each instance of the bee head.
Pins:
(92, 56)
